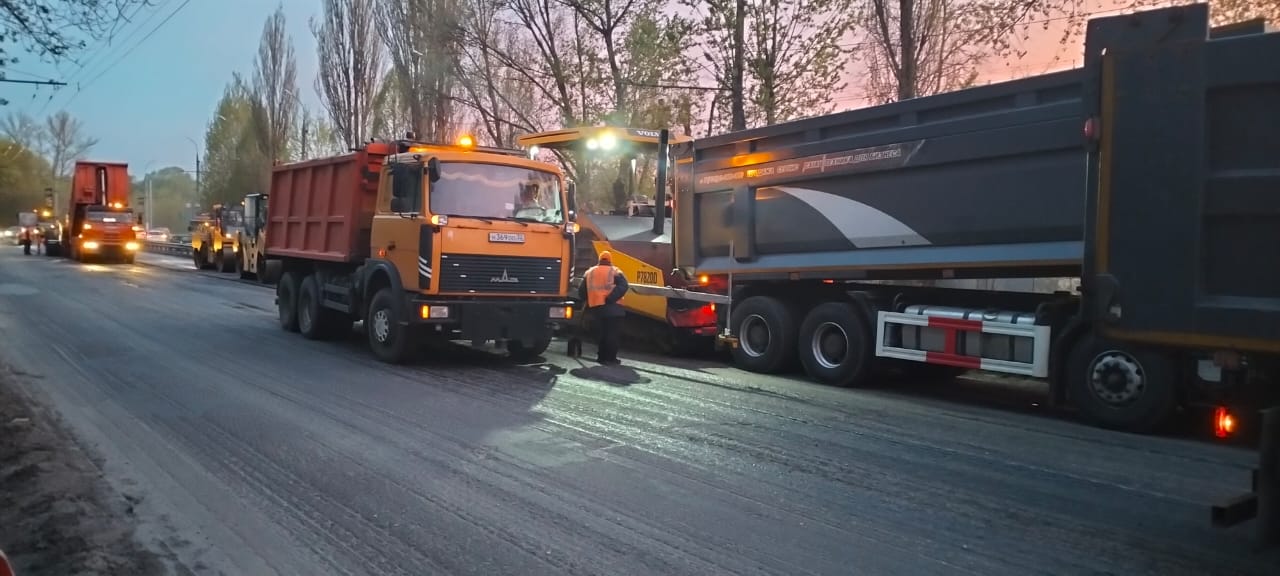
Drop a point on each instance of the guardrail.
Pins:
(172, 248)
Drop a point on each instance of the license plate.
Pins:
(508, 237)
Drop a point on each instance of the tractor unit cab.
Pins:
(100, 223)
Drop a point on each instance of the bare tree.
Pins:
(422, 39)
(390, 113)
(493, 75)
(24, 130)
(920, 47)
(55, 29)
(275, 88)
(350, 59)
(66, 142)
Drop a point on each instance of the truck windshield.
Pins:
(121, 217)
(496, 191)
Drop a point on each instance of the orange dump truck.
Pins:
(100, 223)
(423, 241)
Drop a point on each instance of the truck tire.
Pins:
(766, 330)
(522, 353)
(240, 267)
(287, 301)
(835, 345)
(268, 270)
(197, 258)
(1120, 386)
(388, 340)
(129, 258)
(314, 321)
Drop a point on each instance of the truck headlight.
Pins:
(435, 312)
(561, 312)
(90, 245)
(131, 246)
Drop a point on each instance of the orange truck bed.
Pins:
(323, 209)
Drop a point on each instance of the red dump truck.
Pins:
(100, 223)
(423, 241)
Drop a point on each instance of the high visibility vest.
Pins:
(600, 283)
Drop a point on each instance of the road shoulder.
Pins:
(58, 515)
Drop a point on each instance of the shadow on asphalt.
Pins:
(612, 375)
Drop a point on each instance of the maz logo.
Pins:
(504, 279)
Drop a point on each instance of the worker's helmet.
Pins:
(606, 257)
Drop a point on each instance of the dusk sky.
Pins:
(147, 107)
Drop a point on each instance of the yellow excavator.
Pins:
(633, 229)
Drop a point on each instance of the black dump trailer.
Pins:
(1152, 175)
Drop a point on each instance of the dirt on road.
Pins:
(57, 513)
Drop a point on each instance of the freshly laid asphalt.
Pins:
(254, 451)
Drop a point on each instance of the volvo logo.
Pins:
(504, 278)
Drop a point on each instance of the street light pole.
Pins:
(197, 145)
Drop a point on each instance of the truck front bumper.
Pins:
(490, 320)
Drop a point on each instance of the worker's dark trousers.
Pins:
(606, 329)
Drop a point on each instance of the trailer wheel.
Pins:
(388, 339)
(287, 301)
(522, 353)
(766, 329)
(1121, 387)
(834, 345)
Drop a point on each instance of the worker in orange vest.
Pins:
(605, 286)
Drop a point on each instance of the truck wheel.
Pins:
(287, 301)
(835, 345)
(240, 267)
(229, 262)
(268, 270)
(766, 329)
(197, 259)
(522, 352)
(1121, 387)
(129, 259)
(312, 320)
(387, 338)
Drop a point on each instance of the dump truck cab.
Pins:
(478, 232)
(214, 238)
(100, 223)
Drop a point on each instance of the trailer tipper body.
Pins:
(1150, 174)
(100, 223)
(422, 241)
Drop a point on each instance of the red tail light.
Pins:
(1224, 423)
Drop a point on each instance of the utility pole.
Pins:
(37, 82)
(150, 224)
(198, 196)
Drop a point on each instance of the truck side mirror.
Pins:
(433, 170)
(572, 193)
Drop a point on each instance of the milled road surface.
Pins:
(254, 451)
